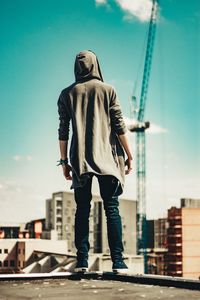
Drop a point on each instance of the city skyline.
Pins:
(39, 44)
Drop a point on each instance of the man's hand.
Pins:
(66, 172)
(128, 163)
(123, 138)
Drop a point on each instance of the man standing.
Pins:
(97, 149)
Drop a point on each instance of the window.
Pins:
(5, 263)
(19, 263)
(0, 250)
(24, 251)
(12, 263)
(58, 211)
(0, 263)
(59, 228)
(59, 203)
(19, 251)
(5, 250)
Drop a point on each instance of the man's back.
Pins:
(93, 146)
(97, 123)
(95, 113)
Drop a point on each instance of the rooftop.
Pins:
(98, 285)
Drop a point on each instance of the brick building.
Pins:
(183, 240)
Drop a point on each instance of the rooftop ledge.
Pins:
(155, 280)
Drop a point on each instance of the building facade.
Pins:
(127, 210)
(157, 245)
(160, 233)
(35, 228)
(183, 239)
(13, 230)
(16, 254)
(60, 212)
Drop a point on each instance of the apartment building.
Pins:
(60, 211)
(35, 228)
(160, 233)
(127, 209)
(183, 240)
(11, 230)
(16, 254)
(157, 245)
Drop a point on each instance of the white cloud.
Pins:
(101, 1)
(9, 186)
(20, 157)
(140, 9)
(154, 129)
(17, 157)
(20, 202)
(29, 157)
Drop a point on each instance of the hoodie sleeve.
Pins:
(64, 117)
(117, 121)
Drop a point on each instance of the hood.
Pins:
(87, 66)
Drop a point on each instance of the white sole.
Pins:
(120, 271)
(78, 270)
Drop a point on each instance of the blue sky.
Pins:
(39, 41)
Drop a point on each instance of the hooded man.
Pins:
(97, 149)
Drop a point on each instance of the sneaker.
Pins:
(81, 266)
(119, 267)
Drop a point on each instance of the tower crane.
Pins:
(139, 128)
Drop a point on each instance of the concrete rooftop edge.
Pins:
(167, 281)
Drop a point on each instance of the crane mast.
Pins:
(140, 128)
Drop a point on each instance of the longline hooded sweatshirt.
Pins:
(95, 114)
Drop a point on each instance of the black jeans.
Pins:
(108, 186)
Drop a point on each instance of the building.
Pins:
(183, 240)
(150, 229)
(157, 245)
(35, 228)
(157, 233)
(174, 243)
(17, 254)
(188, 202)
(60, 211)
(13, 230)
(160, 233)
(127, 209)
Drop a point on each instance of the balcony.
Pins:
(172, 263)
(174, 240)
(175, 253)
(177, 217)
